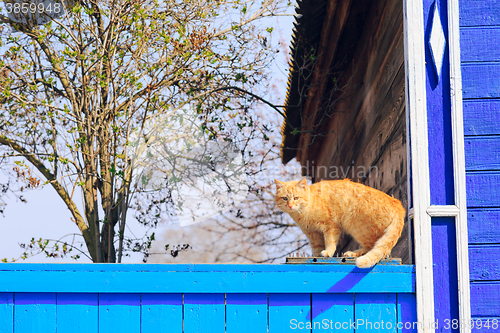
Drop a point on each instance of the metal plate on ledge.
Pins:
(336, 260)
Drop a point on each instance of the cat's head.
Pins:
(292, 196)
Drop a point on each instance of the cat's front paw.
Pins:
(326, 253)
(365, 262)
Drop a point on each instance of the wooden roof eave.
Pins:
(337, 12)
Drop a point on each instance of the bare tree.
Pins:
(253, 230)
(75, 88)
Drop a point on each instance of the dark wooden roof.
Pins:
(305, 42)
(324, 40)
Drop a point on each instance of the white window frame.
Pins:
(418, 154)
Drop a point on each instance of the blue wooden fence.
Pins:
(206, 298)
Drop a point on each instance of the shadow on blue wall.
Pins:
(344, 285)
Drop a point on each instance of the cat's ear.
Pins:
(279, 184)
(302, 183)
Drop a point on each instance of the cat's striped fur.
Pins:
(326, 209)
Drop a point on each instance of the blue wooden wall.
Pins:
(480, 55)
(206, 298)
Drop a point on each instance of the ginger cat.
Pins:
(323, 210)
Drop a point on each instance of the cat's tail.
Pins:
(384, 244)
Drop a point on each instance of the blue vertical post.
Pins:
(375, 313)
(289, 312)
(161, 313)
(6, 312)
(119, 312)
(444, 256)
(77, 312)
(333, 312)
(204, 313)
(35, 312)
(438, 105)
(246, 313)
(407, 313)
(441, 164)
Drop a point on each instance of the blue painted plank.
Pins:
(445, 273)
(407, 313)
(439, 117)
(333, 312)
(483, 189)
(481, 80)
(6, 312)
(485, 299)
(289, 312)
(246, 313)
(326, 278)
(483, 225)
(35, 312)
(210, 268)
(484, 262)
(161, 313)
(119, 312)
(375, 313)
(77, 313)
(480, 44)
(482, 153)
(482, 117)
(204, 313)
(479, 12)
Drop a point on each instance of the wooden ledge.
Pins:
(206, 278)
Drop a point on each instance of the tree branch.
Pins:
(61, 191)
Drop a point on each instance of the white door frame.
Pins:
(418, 163)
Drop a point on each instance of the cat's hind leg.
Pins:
(317, 242)
(331, 239)
(383, 245)
(355, 254)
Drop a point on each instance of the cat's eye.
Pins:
(285, 198)
(295, 198)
